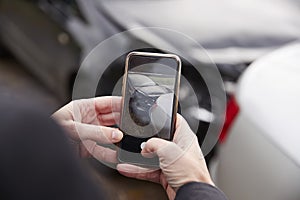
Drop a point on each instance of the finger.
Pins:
(179, 119)
(61, 115)
(99, 152)
(104, 154)
(109, 119)
(183, 136)
(148, 154)
(168, 152)
(137, 172)
(153, 145)
(100, 134)
(108, 104)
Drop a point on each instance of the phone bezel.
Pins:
(176, 90)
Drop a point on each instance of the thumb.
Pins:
(154, 144)
(167, 152)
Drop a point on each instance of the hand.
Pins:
(181, 161)
(85, 122)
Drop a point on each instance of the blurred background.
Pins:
(43, 42)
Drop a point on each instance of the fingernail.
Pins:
(143, 144)
(115, 135)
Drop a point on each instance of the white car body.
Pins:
(260, 158)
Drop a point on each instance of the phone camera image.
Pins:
(149, 99)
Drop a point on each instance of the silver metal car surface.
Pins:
(260, 158)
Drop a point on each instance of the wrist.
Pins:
(201, 179)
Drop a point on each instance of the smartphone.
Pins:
(149, 103)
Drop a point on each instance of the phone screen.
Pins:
(150, 90)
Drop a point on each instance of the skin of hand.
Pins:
(181, 161)
(86, 122)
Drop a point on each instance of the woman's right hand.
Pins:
(181, 161)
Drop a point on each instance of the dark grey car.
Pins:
(143, 95)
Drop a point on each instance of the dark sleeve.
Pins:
(36, 161)
(197, 190)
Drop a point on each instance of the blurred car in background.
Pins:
(52, 37)
(259, 157)
(40, 43)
